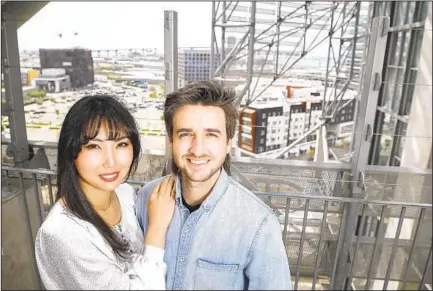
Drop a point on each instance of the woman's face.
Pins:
(103, 164)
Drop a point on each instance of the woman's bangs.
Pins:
(114, 127)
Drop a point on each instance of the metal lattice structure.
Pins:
(322, 41)
(274, 38)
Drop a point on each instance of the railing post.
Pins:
(366, 109)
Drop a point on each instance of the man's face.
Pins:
(199, 143)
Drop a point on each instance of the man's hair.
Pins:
(205, 93)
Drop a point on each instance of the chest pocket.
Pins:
(213, 276)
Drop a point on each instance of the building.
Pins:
(77, 62)
(52, 80)
(260, 128)
(194, 65)
(272, 123)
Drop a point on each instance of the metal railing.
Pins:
(391, 248)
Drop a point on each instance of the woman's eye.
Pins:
(92, 146)
(123, 144)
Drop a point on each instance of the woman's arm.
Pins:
(74, 260)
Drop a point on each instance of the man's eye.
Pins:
(184, 134)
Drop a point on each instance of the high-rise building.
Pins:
(194, 65)
(77, 62)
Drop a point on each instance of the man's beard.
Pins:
(208, 176)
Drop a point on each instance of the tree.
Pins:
(38, 93)
(153, 95)
(161, 91)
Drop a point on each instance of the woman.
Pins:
(91, 238)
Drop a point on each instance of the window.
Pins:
(246, 140)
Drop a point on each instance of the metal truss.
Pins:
(273, 38)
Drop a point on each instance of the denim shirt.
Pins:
(233, 241)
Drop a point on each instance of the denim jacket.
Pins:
(233, 241)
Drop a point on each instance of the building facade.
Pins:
(194, 65)
(269, 125)
(77, 62)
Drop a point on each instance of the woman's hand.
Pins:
(160, 209)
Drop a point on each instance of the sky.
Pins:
(110, 25)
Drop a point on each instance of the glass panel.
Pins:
(384, 150)
(404, 52)
(388, 89)
(411, 10)
(407, 103)
(398, 87)
(395, 53)
(402, 128)
(400, 15)
(417, 38)
(386, 139)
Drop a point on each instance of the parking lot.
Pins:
(46, 119)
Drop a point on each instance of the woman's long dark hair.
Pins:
(81, 124)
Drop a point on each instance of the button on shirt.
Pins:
(233, 241)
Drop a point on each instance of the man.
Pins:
(221, 235)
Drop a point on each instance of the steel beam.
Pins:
(212, 44)
(363, 128)
(18, 148)
(170, 61)
(250, 63)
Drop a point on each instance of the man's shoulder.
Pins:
(247, 198)
(145, 191)
(142, 197)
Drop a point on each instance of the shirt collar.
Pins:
(217, 191)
